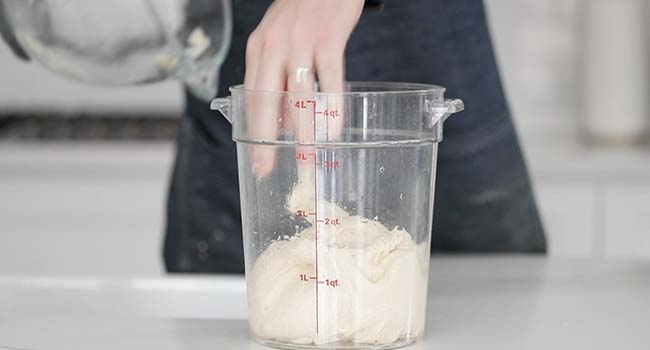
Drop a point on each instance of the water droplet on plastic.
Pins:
(382, 169)
(401, 196)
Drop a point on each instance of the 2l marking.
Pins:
(332, 221)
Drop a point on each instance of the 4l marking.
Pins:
(303, 104)
(332, 113)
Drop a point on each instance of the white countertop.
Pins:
(482, 303)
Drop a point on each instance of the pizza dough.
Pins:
(373, 281)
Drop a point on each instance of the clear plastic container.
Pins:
(337, 235)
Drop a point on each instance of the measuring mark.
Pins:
(330, 164)
(326, 221)
(327, 164)
(329, 282)
(327, 122)
(332, 283)
(315, 209)
(327, 130)
(329, 113)
(332, 221)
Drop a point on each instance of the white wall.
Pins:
(83, 209)
(592, 199)
(28, 86)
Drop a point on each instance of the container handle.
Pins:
(453, 106)
(440, 111)
(222, 104)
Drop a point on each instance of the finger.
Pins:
(302, 103)
(254, 103)
(265, 114)
(300, 85)
(253, 52)
(330, 67)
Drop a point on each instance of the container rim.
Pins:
(362, 88)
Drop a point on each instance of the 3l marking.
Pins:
(303, 156)
(331, 164)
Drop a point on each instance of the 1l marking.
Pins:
(328, 282)
(332, 283)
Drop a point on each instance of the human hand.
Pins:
(296, 41)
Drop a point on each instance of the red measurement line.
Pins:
(316, 215)
(311, 213)
(320, 282)
(312, 278)
(327, 129)
(327, 122)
